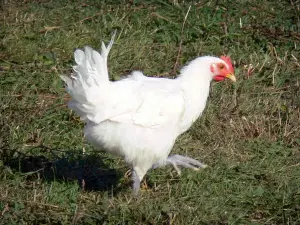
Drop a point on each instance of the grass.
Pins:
(249, 134)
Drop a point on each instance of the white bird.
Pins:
(140, 117)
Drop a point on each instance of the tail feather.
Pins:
(90, 73)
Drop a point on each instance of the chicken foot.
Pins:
(184, 161)
(174, 160)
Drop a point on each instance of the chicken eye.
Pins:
(221, 66)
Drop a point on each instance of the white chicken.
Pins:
(140, 117)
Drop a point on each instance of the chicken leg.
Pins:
(136, 183)
(138, 174)
(179, 160)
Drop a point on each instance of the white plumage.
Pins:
(139, 117)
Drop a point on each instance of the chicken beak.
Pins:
(231, 77)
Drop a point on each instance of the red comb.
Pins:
(228, 62)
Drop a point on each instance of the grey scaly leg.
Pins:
(136, 183)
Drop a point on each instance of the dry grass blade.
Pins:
(175, 67)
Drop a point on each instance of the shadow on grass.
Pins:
(90, 171)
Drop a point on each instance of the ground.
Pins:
(249, 133)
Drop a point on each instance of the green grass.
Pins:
(249, 134)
